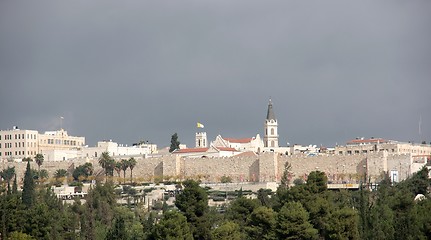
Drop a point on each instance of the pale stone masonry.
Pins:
(266, 167)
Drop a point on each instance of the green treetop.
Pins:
(175, 144)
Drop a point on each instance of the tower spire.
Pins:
(270, 114)
(271, 132)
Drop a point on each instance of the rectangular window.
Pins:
(22, 136)
(356, 151)
(349, 152)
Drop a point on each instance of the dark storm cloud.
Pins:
(146, 69)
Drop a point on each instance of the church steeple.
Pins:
(270, 139)
(270, 115)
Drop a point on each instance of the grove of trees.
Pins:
(307, 210)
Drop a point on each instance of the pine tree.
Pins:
(175, 144)
(28, 192)
(285, 178)
(118, 231)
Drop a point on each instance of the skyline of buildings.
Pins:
(58, 145)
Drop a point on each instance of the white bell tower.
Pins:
(201, 140)
(270, 139)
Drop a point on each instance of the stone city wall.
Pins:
(266, 167)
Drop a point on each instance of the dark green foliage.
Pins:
(261, 223)
(132, 163)
(175, 144)
(317, 182)
(382, 220)
(28, 191)
(263, 195)
(228, 230)
(342, 224)
(240, 209)
(172, 226)
(60, 173)
(418, 183)
(118, 231)
(307, 211)
(82, 171)
(107, 163)
(124, 167)
(292, 223)
(7, 174)
(193, 202)
(15, 186)
(39, 160)
(298, 181)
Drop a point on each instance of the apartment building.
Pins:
(16, 144)
(364, 146)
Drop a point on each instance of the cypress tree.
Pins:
(28, 188)
(175, 144)
(14, 186)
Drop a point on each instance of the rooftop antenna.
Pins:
(420, 127)
(61, 123)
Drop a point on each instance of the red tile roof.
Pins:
(226, 149)
(241, 140)
(191, 150)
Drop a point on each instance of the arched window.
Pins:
(272, 143)
(272, 131)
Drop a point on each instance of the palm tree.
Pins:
(132, 164)
(104, 160)
(39, 160)
(7, 174)
(60, 173)
(124, 166)
(110, 166)
(117, 168)
(43, 174)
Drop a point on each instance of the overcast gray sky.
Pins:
(131, 70)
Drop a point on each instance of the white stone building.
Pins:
(363, 146)
(209, 152)
(118, 150)
(17, 144)
(253, 144)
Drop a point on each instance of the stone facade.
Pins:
(266, 167)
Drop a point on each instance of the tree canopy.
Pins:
(175, 144)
